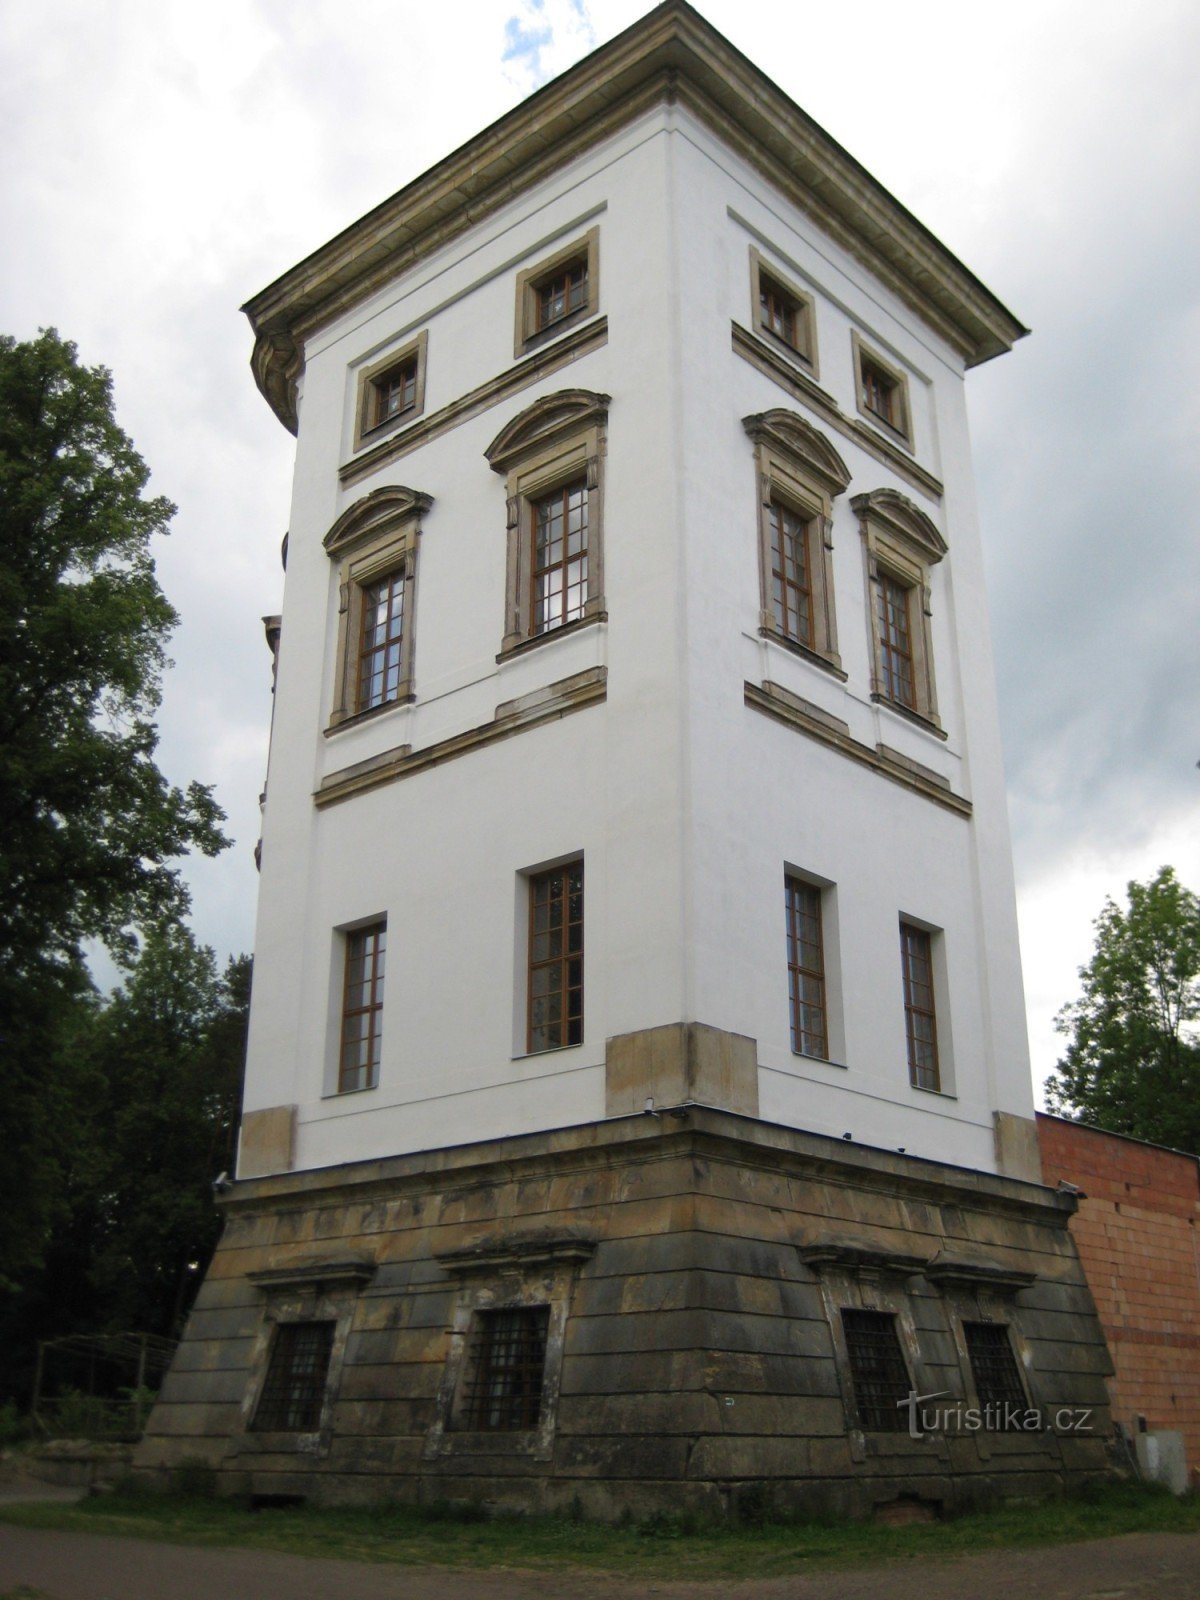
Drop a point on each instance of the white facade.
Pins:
(687, 803)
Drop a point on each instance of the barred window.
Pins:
(294, 1391)
(920, 1019)
(806, 968)
(993, 1365)
(507, 1362)
(362, 1008)
(556, 958)
(877, 1369)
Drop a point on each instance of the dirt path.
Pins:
(85, 1566)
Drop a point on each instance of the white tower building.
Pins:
(635, 807)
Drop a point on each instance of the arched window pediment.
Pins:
(545, 422)
(381, 509)
(903, 519)
(789, 434)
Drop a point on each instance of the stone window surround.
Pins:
(339, 954)
(528, 336)
(900, 542)
(306, 1292)
(376, 537)
(804, 350)
(536, 1269)
(559, 438)
(800, 470)
(367, 432)
(902, 430)
(835, 1042)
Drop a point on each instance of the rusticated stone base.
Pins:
(695, 1264)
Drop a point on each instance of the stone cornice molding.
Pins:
(848, 1256)
(381, 508)
(544, 422)
(670, 56)
(786, 432)
(898, 513)
(516, 1252)
(319, 1275)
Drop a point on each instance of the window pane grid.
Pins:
(394, 392)
(507, 1364)
(560, 557)
(879, 394)
(920, 1018)
(362, 1009)
(294, 1391)
(895, 642)
(806, 968)
(560, 295)
(556, 958)
(877, 1370)
(777, 312)
(791, 587)
(993, 1365)
(382, 640)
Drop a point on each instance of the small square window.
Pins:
(362, 1009)
(877, 1370)
(781, 311)
(293, 1393)
(559, 292)
(506, 1367)
(920, 1014)
(555, 998)
(881, 392)
(806, 968)
(391, 392)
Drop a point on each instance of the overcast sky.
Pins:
(161, 161)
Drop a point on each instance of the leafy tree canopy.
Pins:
(1132, 1063)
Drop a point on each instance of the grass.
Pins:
(658, 1546)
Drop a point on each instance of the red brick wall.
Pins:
(1138, 1235)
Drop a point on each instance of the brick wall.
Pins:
(1138, 1234)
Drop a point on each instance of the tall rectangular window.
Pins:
(560, 556)
(806, 968)
(556, 958)
(362, 1009)
(877, 1370)
(791, 581)
(507, 1369)
(993, 1365)
(920, 1017)
(381, 643)
(293, 1392)
(895, 642)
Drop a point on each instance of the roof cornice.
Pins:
(670, 55)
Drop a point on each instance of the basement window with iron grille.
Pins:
(506, 1369)
(294, 1391)
(877, 1370)
(994, 1366)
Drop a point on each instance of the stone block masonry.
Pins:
(689, 1270)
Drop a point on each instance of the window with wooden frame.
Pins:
(806, 968)
(920, 1010)
(506, 1365)
(994, 1369)
(374, 545)
(782, 312)
(293, 1392)
(881, 392)
(799, 476)
(362, 1009)
(902, 546)
(391, 392)
(554, 1015)
(551, 457)
(878, 1372)
(558, 292)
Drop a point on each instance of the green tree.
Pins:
(1132, 1063)
(89, 826)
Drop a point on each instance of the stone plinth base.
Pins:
(688, 1273)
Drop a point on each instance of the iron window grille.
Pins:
(994, 1366)
(294, 1391)
(877, 1370)
(920, 1017)
(806, 968)
(555, 997)
(362, 1009)
(507, 1363)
